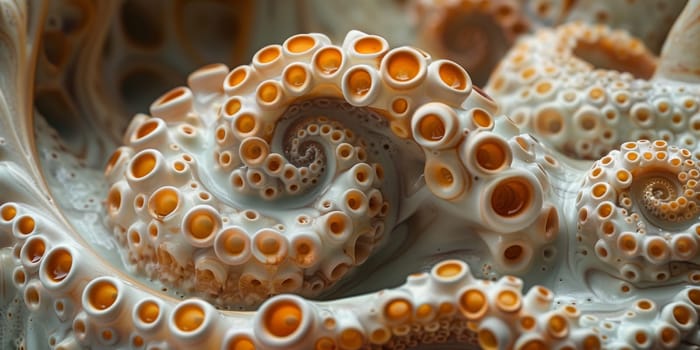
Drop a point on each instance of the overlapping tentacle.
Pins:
(280, 176)
(584, 90)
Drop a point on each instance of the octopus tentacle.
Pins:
(270, 251)
(476, 34)
(585, 90)
(94, 308)
(199, 195)
(638, 209)
(280, 143)
(285, 130)
(658, 16)
(498, 183)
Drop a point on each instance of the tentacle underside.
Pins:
(245, 198)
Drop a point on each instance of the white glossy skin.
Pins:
(93, 303)
(262, 143)
(557, 85)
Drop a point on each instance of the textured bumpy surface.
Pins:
(248, 184)
(549, 85)
(639, 206)
(346, 196)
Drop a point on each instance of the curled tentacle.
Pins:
(586, 89)
(474, 34)
(279, 175)
(638, 209)
(210, 236)
(292, 145)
